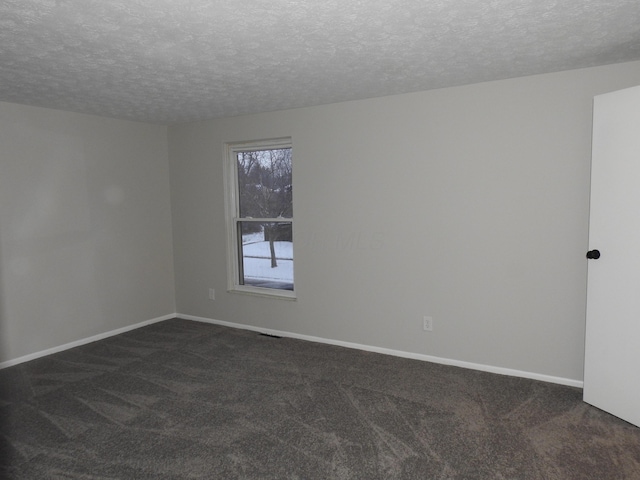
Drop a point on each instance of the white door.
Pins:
(612, 349)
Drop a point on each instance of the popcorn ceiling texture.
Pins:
(170, 61)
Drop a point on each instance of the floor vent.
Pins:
(269, 335)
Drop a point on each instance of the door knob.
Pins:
(593, 254)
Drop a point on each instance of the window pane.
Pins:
(264, 183)
(266, 254)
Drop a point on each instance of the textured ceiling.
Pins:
(173, 61)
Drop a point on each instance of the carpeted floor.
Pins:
(187, 400)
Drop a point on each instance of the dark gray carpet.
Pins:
(182, 399)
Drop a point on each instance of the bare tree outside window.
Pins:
(265, 217)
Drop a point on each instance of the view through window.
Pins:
(263, 216)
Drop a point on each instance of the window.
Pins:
(260, 217)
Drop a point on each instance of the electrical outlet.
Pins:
(427, 323)
(212, 294)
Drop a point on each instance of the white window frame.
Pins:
(233, 217)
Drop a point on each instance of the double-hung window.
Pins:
(260, 217)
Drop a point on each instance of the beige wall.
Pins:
(85, 227)
(469, 204)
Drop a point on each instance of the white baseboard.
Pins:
(398, 353)
(84, 341)
(357, 346)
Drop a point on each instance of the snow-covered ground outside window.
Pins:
(256, 257)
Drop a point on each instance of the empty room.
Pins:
(319, 240)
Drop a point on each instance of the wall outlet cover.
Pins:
(427, 323)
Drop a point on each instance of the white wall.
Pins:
(469, 204)
(85, 227)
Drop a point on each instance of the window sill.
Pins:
(264, 292)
